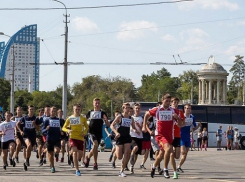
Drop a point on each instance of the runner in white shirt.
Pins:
(7, 141)
(136, 136)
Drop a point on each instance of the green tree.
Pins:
(113, 90)
(22, 99)
(4, 93)
(236, 82)
(189, 85)
(157, 84)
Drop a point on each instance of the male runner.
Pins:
(64, 137)
(52, 129)
(7, 141)
(166, 117)
(42, 148)
(76, 126)
(136, 136)
(18, 137)
(185, 140)
(96, 119)
(176, 143)
(27, 126)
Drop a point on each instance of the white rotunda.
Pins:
(212, 84)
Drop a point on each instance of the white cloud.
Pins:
(84, 25)
(236, 49)
(194, 39)
(135, 29)
(209, 4)
(168, 37)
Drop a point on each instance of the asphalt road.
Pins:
(211, 165)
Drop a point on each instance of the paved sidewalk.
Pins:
(211, 165)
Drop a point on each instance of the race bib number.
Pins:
(75, 121)
(29, 125)
(188, 121)
(54, 123)
(126, 122)
(8, 126)
(95, 115)
(165, 115)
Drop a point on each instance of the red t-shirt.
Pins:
(180, 113)
(165, 122)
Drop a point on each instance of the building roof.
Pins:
(212, 67)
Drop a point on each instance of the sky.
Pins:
(194, 30)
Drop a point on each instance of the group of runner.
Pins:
(164, 128)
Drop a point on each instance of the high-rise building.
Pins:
(21, 56)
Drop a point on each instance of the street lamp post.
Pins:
(64, 94)
(12, 79)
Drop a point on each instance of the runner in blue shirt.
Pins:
(52, 129)
(185, 141)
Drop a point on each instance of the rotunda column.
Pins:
(218, 82)
(200, 92)
(203, 91)
(209, 91)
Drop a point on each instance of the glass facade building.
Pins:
(21, 56)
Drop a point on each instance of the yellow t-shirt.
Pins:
(78, 127)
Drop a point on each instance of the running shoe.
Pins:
(110, 158)
(87, 161)
(41, 163)
(175, 175)
(78, 173)
(27, 162)
(25, 166)
(62, 159)
(95, 166)
(180, 170)
(166, 174)
(72, 164)
(152, 172)
(69, 161)
(132, 160)
(152, 159)
(44, 161)
(131, 169)
(14, 164)
(11, 162)
(122, 174)
(83, 164)
(142, 166)
(52, 170)
(160, 171)
(113, 165)
(126, 168)
(16, 159)
(4, 167)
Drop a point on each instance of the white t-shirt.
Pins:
(137, 119)
(8, 129)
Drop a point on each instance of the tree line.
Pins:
(114, 91)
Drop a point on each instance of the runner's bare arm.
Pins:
(146, 117)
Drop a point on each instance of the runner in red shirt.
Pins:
(176, 143)
(166, 117)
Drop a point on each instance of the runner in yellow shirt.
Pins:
(76, 126)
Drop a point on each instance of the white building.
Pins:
(22, 53)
